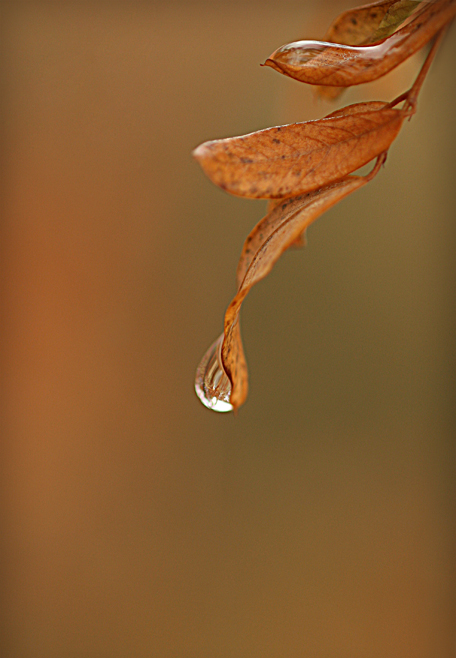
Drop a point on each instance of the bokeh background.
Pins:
(319, 522)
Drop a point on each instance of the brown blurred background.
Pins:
(320, 521)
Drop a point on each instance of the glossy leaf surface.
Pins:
(364, 25)
(297, 158)
(323, 63)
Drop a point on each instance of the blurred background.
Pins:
(319, 522)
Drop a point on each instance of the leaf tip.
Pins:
(200, 152)
(271, 63)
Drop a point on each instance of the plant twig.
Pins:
(411, 96)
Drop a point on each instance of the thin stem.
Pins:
(411, 96)
(381, 159)
(415, 90)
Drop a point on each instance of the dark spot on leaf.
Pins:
(354, 21)
(276, 141)
(246, 160)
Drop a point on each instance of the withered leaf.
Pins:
(355, 26)
(370, 23)
(297, 158)
(263, 247)
(366, 24)
(323, 63)
(399, 12)
(281, 227)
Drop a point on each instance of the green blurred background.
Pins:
(319, 522)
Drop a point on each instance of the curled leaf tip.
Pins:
(222, 379)
(304, 168)
(271, 63)
(338, 64)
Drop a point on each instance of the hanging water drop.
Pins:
(212, 385)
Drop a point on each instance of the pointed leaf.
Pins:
(372, 22)
(263, 247)
(399, 12)
(323, 63)
(366, 24)
(290, 160)
(355, 26)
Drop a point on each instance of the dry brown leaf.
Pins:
(297, 158)
(301, 239)
(355, 26)
(400, 12)
(320, 63)
(366, 24)
(370, 23)
(222, 374)
(302, 169)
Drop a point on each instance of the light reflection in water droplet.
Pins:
(212, 385)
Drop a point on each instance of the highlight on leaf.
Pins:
(396, 15)
(372, 22)
(366, 25)
(339, 65)
(303, 169)
(294, 159)
(221, 380)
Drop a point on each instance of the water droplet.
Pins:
(212, 385)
